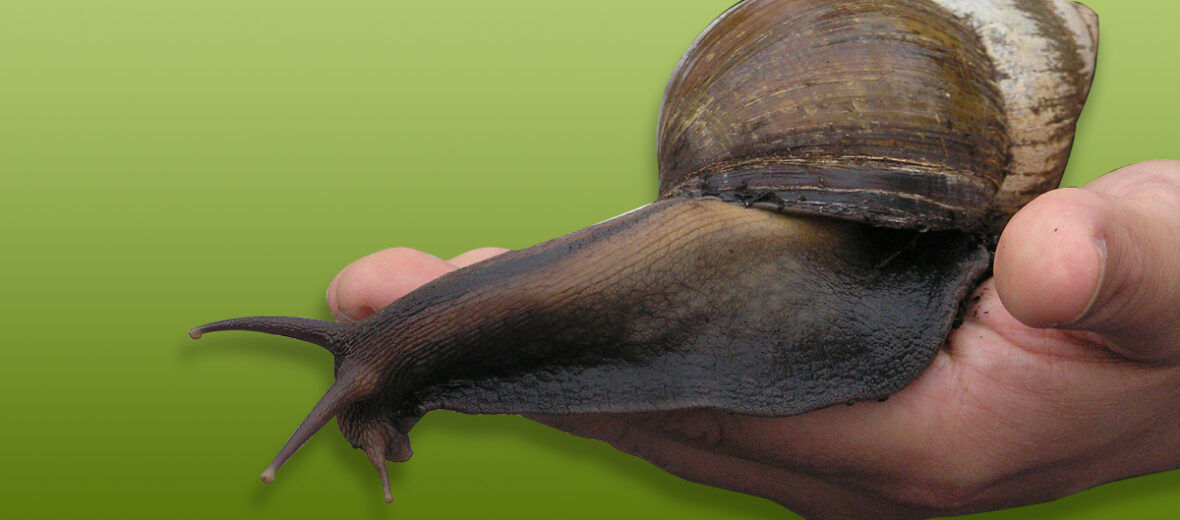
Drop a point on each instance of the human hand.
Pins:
(1011, 412)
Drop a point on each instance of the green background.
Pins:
(164, 164)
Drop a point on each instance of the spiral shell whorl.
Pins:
(922, 114)
(1044, 52)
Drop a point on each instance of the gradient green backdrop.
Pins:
(163, 164)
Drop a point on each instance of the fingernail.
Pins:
(357, 314)
(1100, 247)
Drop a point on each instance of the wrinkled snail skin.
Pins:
(686, 303)
(890, 141)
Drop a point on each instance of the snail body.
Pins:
(832, 177)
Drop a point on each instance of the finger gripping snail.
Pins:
(833, 174)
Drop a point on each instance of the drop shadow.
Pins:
(261, 496)
(599, 456)
(1130, 491)
(245, 345)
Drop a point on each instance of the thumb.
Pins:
(1104, 258)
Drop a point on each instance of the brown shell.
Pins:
(929, 114)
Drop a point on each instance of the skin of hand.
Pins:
(1065, 374)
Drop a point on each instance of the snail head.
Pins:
(363, 417)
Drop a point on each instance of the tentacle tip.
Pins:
(195, 333)
(268, 476)
(388, 497)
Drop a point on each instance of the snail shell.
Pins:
(919, 114)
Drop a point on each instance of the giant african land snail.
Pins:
(832, 177)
